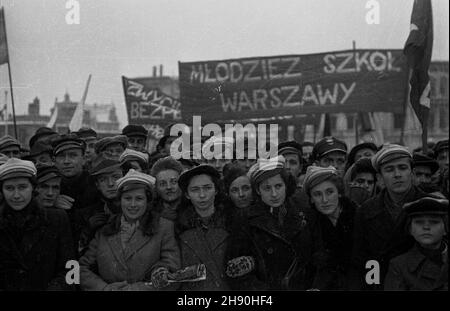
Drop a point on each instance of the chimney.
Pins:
(155, 69)
(33, 108)
(160, 70)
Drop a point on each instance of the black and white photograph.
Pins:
(222, 153)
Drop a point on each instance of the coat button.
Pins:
(270, 250)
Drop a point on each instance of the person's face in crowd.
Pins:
(218, 164)
(273, 191)
(106, 184)
(43, 159)
(12, 152)
(48, 192)
(90, 148)
(17, 192)
(336, 159)
(113, 151)
(422, 175)
(70, 162)
(167, 185)
(365, 180)
(325, 197)
(169, 142)
(364, 153)
(397, 175)
(202, 192)
(241, 192)
(428, 230)
(307, 151)
(133, 203)
(442, 159)
(293, 164)
(136, 143)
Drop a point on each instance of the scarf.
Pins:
(127, 230)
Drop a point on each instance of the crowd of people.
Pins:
(310, 217)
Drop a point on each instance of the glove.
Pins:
(115, 286)
(64, 202)
(160, 277)
(98, 220)
(240, 266)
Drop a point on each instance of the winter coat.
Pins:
(282, 252)
(337, 247)
(107, 262)
(33, 255)
(204, 243)
(416, 271)
(376, 236)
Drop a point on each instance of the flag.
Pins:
(418, 48)
(3, 42)
(77, 119)
(53, 117)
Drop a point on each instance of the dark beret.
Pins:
(40, 132)
(427, 206)
(186, 176)
(86, 132)
(134, 130)
(420, 159)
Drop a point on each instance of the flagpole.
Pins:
(356, 115)
(6, 112)
(9, 74)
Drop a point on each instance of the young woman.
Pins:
(238, 189)
(136, 247)
(335, 214)
(203, 226)
(272, 247)
(35, 242)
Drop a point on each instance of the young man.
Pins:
(89, 136)
(425, 265)
(167, 171)
(111, 147)
(10, 147)
(441, 154)
(331, 151)
(68, 151)
(41, 154)
(137, 137)
(292, 153)
(424, 169)
(105, 172)
(48, 186)
(379, 223)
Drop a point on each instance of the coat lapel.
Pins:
(137, 241)
(116, 248)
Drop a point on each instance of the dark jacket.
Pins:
(282, 251)
(204, 243)
(337, 247)
(34, 249)
(83, 190)
(417, 270)
(377, 236)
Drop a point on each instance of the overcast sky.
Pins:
(128, 37)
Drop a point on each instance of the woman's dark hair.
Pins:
(232, 171)
(218, 186)
(288, 179)
(126, 166)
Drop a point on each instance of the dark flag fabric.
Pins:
(3, 46)
(418, 50)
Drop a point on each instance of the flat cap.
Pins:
(134, 130)
(67, 141)
(41, 132)
(420, 159)
(101, 165)
(8, 141)
(365, 145)
(130, 155)
(186, 176)
(316, 175)
(266, 168)
(47, 172)
(3, 159)
(134, 179)
(86, 132)
(388, 153)
(39, 148)
(427, 206)
(326, 145)
(107, 141)
(16, 168)
(290, 147)
(440, 145)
